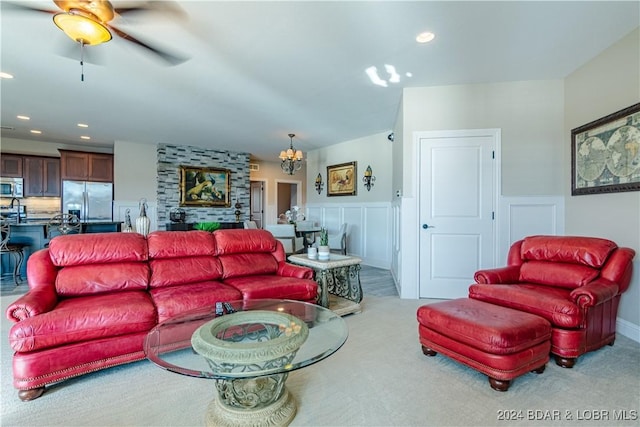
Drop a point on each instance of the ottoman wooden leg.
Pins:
(428, 351)
(565, 362)
(499, 385)
(540, 369)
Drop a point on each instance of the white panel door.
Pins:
(456, 211)
(256, 202)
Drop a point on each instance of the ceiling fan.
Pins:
(87, 22)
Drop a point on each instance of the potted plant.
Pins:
(323, 248)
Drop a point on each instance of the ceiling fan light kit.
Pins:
(84, 20)
(81, 28)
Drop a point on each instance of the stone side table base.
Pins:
(279, 413)
(343, 306)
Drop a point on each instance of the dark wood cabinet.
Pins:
(85, 166)
(11, 166)
(100, 167)
(41, 176)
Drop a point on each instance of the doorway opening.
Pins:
(288, 195)
(257, 202)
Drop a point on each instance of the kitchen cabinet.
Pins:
(85, 166)
(11, 166)
(41, 176)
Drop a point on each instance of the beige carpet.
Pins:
(378, 378)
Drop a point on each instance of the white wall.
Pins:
(530, 117)
(607, 83)
(529, 114)
(46, 148)
(368, 214)
(135, 168)
(373, 150)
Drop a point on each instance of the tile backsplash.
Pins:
(39, 207)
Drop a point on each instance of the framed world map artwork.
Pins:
(605, 154)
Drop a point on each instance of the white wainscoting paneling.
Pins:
(528, 216)
(369, 232)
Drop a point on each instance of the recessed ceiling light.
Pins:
(85, 137)
(425, 37)
(4, 75)
(394, 77)
(21, 117)
(372, 72)
(37, 132)
(409, 74)
(82, 125)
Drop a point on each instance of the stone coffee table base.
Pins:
(279, 413)
(243, 342)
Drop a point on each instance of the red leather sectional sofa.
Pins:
(93, 297)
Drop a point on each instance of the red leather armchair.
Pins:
(573, 282)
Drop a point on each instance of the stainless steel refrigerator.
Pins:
(91, 201)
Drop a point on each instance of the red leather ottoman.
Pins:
(500, 342)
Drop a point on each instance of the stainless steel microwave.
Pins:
(11, 187)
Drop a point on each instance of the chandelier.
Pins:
(291, 159)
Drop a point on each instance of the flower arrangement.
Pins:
(294, 215)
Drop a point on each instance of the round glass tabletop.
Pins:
(169, 344)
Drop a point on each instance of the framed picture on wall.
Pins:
(605, 154)
(204, 186)
(341, 179)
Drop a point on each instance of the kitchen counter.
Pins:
(40, 222)
(34, 234)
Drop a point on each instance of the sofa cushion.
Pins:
(97, 248)
(178, 271)
(173, 300)
(180, 244)
(247, 264)
(270, 286)
(551, 303)
(94, 279)
(560, 274)
(85, 318)
(589, 251)
(237, 241)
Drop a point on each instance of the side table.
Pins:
(338, 280)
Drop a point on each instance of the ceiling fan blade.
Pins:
(168, 7)
(165, 56)
(21, 7)
(88, 54)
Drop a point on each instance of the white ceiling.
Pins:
(260, 70)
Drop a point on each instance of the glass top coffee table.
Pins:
(248, 348)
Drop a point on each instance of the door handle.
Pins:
(425, 226)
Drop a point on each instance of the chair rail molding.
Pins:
(369, 231)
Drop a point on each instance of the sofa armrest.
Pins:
(594, 293)
(289, 270)
(31, 304)
(504, 275)
(42, 296)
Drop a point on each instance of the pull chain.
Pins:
(81, 60)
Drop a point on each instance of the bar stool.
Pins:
(62, 224)
(16, 250)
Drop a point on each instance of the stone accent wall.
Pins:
(171, 157)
